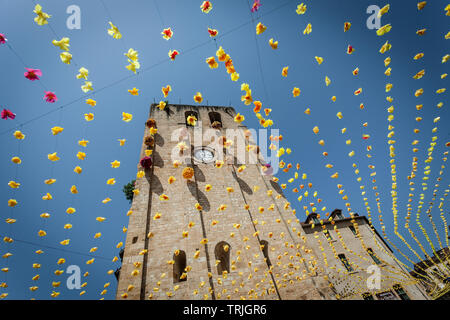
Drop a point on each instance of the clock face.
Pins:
(204, 155)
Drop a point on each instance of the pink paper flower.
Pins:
(255, 6)
(33, 74)
(7, 114)
(2, 38)
(50, 97)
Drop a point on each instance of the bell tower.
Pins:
(209, 220)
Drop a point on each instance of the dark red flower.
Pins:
(2, 38)
(146, 162)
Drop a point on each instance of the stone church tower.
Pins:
(255, 248)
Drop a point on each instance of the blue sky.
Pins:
(141, 23)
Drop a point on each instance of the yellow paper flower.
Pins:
(198, 97)
(13, 184)
(89, 116)
(91, 102)
(41, 18)
(114, 31)
(83, 143)
(47, 196)
(87, 86)
(50, 181)
(134, 91)
(12, 202)
(260, 28)
(211, 61)
(56, 130)
(301, 8)
(296, 92)
(191, 120)
(383, 10)
(273, 44)
(53, 157)
(127, 117)
(18, 135)
(384, 29)
(308, 29)
(83, 73)
(133, 65)
(115, 164)
(66, 57)
(385, 47)
(81, 155)
(63, 44)
(239, 118)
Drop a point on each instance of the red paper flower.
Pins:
(173, 54)
(50, 97)
(7, 114)
(2, 38)
(206, 6)
(33, 74)
(146, 162)
(212, 32)
(350, 49)
(167, 33)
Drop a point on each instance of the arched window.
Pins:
(215, 119)
(190, 113)
(222, 253)
(179, 266)
(265, 250)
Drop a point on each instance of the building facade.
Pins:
(357, 257)
(434, 274)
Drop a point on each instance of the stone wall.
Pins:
(293, 273)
